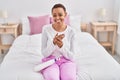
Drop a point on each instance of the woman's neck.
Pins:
(59, 28)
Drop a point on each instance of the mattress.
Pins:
(93, 61)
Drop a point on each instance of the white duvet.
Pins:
(94, 62)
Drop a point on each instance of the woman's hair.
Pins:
(59, 6)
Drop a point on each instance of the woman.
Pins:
(57, 43)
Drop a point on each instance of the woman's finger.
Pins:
(56, 35)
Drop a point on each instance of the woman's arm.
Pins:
(46, 49)
(70, 53)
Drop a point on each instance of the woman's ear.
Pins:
(65, 14)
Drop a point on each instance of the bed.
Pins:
(93, 61)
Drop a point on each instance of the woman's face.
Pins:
(58, 15)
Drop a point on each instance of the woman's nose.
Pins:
(57, 17)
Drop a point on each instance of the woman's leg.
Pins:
(68, 71)
(51, 73)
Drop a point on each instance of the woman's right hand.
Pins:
(58, 40)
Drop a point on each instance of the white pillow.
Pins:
(75, 22)
(25, 26)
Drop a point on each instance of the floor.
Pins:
(117, 58)
(2, 56)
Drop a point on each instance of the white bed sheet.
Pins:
(94, 62)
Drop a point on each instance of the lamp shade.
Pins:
(3, 14)
(102, 12)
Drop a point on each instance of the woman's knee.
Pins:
(68, 76)
(51, 73)
(51, 77)
(68, 71)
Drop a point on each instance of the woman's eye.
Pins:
(60, 14)
(54, 15)
(57, 15)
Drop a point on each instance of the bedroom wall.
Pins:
(117, 19)
(88, 9)
(118, 45)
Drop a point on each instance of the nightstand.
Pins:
(7, 29)
(109, 27)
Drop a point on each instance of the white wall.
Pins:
(117, 18)
(118, 44)
(116, 10)
(87, 8)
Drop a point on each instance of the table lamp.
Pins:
(4, 15)
(102, 14)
